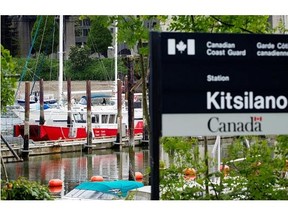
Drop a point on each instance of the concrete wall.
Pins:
(69, 37)
(24, 26)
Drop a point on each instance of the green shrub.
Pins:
(258, 172)
(43, 68)
(23, 189)
(47, 69)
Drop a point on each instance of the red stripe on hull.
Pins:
(50, 133)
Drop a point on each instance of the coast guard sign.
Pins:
(218, 84)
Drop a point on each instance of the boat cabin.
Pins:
(96, 118)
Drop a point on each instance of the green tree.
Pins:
(8, 79)
(99, 36)
(46, 40)
(79, 57)
(134, 31)
(220, 24)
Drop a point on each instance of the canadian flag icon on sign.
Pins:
(182, 47)
(257, 118)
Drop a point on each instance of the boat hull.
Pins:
(50, 133)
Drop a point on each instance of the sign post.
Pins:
(205, 84)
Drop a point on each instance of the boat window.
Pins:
(79, 118)
(83, 101)
(137, 104)
(99, 101)
(95, 118)
(104, 119)
(112, 119)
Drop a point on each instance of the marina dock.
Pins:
(64, 146)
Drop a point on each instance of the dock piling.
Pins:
(119, 114)
(69, 114)
(88, 146)
(25, 150)
(42, 117)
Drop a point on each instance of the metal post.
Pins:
(156, 118)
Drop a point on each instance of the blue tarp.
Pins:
(119, 187)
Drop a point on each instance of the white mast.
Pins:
(60, 78)
(116, 54)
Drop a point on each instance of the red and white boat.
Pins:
(103, 123)
(103, 117)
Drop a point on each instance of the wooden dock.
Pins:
(78, 145)
(63, 146)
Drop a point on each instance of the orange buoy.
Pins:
(139, 180)
(96, 178)
(56, 189)
(138, 175)
(55, 183)
(189, 173)
(225, 169)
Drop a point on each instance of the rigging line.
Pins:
(39, 51)
(95, 48)
(28, 57)
(53, 40)
(36, 76)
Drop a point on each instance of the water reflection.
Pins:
(74, 168)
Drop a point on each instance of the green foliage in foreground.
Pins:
(261, 174)
(23, 189)
(8, 78)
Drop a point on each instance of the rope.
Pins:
(39, 51)
(29, 56)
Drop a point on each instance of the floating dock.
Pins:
(64, 146)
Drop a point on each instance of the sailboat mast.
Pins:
(60, 78)
(116, 54)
